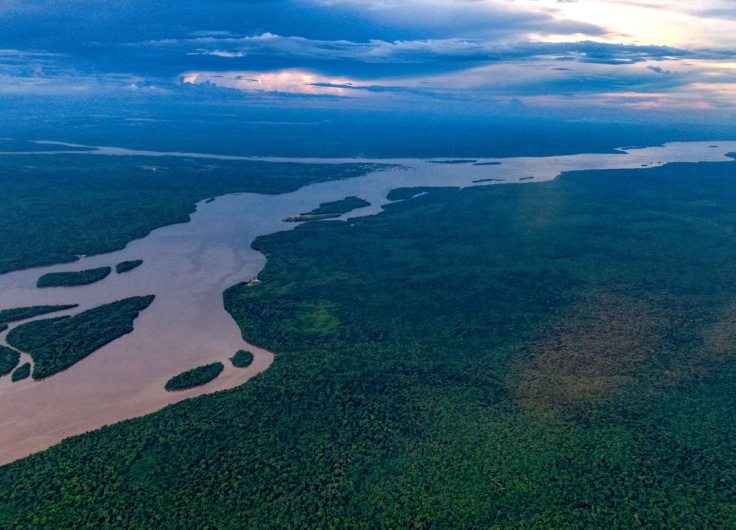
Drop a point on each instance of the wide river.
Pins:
(188, 266)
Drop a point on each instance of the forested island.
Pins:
(542, 356)
(72, 279)
(9, 359)
(242, 359)
(329, 210)
(22, 313)
(56, 344)
(195, 377)
(126, 266)
(22, 372)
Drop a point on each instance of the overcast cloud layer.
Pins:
(638, 56)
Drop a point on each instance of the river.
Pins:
(188, 266)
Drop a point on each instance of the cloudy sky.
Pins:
(637, 56)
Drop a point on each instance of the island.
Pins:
(329, 210)
(73, 279)
(9, 359)
(22, 372)
(487, 180)
(242, 359)
(56, 344)
(125, 266)
(22, 313)
(402, 194)
(194, 377)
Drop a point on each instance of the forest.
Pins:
(125, 266)
(242, 359)
(53, 213)
(56, 344)
(195, 377)
(330, 210)
(72, 279)
(22, 372)
(9, 359)
(547, 355)
(22, 313)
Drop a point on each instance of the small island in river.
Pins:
(126, 266)
(329, 210)
(195, 377)
(242, 359)
(73, 279)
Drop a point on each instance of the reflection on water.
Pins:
(188, 266)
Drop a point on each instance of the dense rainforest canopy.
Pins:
(549, 355)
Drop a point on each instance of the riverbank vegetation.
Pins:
(242, 359)
(194, 377)
(540, 356)
(9, 359)
(22, 313)
(125, 266)
(73, 279)
(56, 344)
(56, 208)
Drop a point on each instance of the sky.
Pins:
(583, 58)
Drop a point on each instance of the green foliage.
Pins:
(330, 210)
(9, 359)
(71, 279)
(195, 377)
(22, 372)
(540, 356)
(125, 266)
(58, 208)
(3, 327)
(55, 344)
(242, 359)
(22, 313)
(348, 204)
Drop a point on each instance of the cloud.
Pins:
(416, 51)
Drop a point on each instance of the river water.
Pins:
(188, 266)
